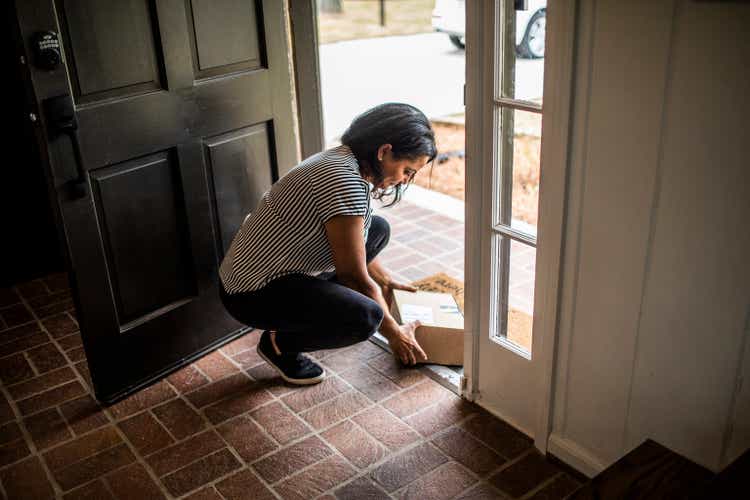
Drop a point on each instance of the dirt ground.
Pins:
(448, 177)
(361, 19)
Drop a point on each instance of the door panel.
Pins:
(141, 212)
(239, 159)
(109, 58)
(226, 36)
(184, 115)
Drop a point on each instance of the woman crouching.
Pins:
(304, 264)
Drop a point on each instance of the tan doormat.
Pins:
(441, 282)
(519, 323)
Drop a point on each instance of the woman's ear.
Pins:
(383, 150)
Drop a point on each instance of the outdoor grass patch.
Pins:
(361, 19)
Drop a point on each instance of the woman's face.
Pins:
(398, 171)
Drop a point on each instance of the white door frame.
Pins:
(480, 134)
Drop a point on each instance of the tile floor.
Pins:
(227, 427)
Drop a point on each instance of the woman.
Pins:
(304, 265)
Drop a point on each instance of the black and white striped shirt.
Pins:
(286, 234)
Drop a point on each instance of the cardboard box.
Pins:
(441, 335)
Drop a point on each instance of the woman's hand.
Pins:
(404, 345)
(389, 285)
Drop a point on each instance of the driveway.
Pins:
(424, 70)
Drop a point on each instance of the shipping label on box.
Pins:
(441, 335)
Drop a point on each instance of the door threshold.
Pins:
(448, 377)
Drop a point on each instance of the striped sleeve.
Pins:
(339, 191)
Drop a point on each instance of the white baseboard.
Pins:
(575, 455)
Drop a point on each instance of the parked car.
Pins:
(449, 17)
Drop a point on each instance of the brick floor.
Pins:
(227, 427)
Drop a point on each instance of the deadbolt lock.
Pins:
(46, 47)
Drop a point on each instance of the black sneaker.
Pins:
(295, 368)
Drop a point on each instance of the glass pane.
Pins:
(517, 185)
(521, 294)
(515, 287)
(522, 69)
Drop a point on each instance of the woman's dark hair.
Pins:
(402, 126)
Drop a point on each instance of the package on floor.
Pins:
(441, 335)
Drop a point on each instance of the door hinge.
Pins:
(464, 94)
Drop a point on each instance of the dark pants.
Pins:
(311, 313)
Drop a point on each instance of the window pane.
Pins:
(522, 68)
(515, 287)
(517, 184)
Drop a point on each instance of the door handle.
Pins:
(61, 120)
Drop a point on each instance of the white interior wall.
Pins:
(656, 274)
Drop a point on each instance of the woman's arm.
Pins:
(348, 249)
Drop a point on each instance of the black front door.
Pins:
(163, 123)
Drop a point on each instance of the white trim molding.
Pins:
(556, 124)
(574, 455)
